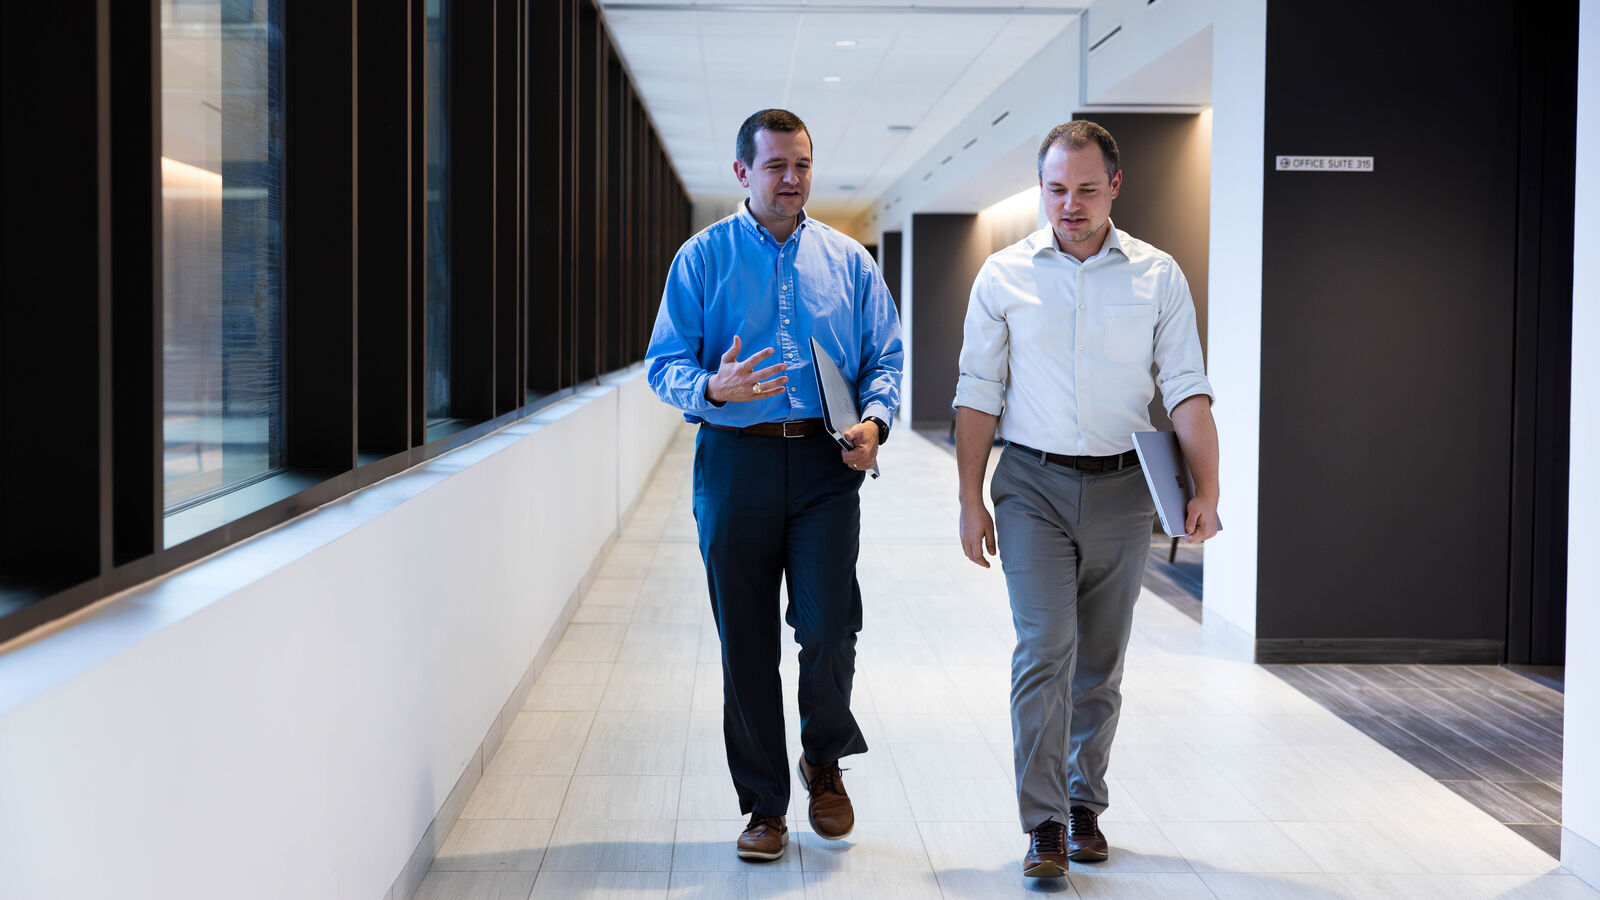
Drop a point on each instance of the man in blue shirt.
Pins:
(774, 497)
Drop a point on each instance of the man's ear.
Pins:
(741, 172)
(1116, 184)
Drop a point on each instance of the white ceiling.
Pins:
(703, 67)
(1180, 77)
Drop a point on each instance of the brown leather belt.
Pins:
(1087, 464)
(795, 429)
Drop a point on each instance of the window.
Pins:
(436, 240)
(222, 296)
(255, 311)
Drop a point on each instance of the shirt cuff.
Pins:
(1177, 390)
(699, 394)
(975, 393)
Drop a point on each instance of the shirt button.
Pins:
(1080, 346)
(785, 321)
(1081, 306)
(1082, 387)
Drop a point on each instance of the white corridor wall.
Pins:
(285, 718)
(1580, 797)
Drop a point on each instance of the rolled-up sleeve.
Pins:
(981, 384)
(882, 354)
(675, 371)
(1180, 366)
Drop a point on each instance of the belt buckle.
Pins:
(786, 424)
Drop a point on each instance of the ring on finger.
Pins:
(755, 388)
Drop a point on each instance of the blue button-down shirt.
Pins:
(735, 278)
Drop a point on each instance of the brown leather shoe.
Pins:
(1047, 851)
(763, 838)
(1085, 843)
(832, 816)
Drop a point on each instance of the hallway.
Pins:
(1226, 781)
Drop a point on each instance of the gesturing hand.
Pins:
(738, 382)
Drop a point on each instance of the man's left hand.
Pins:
(864, 437)
(1201, 520)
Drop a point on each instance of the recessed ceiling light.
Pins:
(844, 43)
(847, 187)
(832, 79)
(900, 128)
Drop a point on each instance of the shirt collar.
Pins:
(1045, 239)
(749, 218)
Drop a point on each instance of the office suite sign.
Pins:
(1324, 164)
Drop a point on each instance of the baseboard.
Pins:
(1379, 650)
(1240, 643)
(1581, 857)
(416, 868)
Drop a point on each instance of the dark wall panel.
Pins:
(1541, 446)
(471, 197)
(949, 251)
(383, 249)
(319, 238)
(891, 256)
(54, 266)
(1387, 321)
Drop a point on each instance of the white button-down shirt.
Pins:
(1062, 351)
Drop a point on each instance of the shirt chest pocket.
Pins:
(1130, 333)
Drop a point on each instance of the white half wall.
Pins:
(1580, 782)
(285, 719)
(1233, 331)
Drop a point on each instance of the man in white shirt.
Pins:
(1062, 332)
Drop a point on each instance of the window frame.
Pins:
(530, 218)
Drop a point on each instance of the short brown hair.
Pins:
(1082, 133)
(765, 120)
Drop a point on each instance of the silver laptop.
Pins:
(839, 412)
(1168, 477)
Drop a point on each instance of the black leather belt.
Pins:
(1088, 464)
(795, 429)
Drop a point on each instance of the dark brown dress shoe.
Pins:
(763, 838)
(1085, 843)
(832, 817)
(1047, 851)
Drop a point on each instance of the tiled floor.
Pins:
(1227, 782)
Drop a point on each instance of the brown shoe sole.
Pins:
(757, 854)
(1088, 856)
(1044, 869)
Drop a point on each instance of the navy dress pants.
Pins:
(771, 509)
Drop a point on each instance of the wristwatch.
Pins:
(883, 428)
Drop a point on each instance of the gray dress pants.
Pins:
(1073, 548)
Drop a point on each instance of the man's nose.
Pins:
(790, 176)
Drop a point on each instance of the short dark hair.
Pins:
(765, 120)
(1082, 133)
